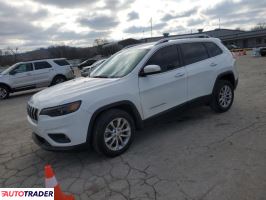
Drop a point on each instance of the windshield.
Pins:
(6, 71)
(120, 64)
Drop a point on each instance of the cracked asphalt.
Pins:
(194, 154)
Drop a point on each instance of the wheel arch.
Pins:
(6, 85)
(229, 76)
(127, 106)
(58, 75)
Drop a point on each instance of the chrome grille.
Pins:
(32, 112)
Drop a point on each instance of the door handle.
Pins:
(180, 74)
(213, 64)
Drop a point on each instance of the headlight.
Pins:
(61, 110)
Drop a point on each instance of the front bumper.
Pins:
(74, 127)
(45, 145)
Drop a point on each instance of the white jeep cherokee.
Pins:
(34, 74)
(134, 85)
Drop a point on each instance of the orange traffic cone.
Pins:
(51, 182)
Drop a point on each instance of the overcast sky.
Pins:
(30, 24)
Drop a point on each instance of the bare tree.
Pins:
(13, 52)
(99, 41)
(259, 26)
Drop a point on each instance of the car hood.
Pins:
(69, 91)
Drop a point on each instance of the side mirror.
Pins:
(151, 69)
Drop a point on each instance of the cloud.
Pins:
(117, 5)
(228, 8)
(139, 29)
(101, 22)
(194, 22)
(15, 28)
(187, 13)
(66, 3)
(133, 15)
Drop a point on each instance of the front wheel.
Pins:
(4, 92)
(223, 96)
(113, 132)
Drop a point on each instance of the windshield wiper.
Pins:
(100, 76)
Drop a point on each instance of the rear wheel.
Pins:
(113, 132)
(223, 96)
(4, 92)
(58, 79)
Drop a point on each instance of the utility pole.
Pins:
(219, 23)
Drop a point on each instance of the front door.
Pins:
(21, 77)
(167, 89)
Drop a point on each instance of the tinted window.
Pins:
(167, 58)
(61, 62)
(42, 65)
(213, 49)
(25, 67)
(194, 52)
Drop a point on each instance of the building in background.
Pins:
(242, 39)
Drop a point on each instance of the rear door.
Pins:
(43, 73)
(22, 76)
(165, 90)
(200, 69)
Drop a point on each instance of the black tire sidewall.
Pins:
(7, 90)
(215, 98)
(58, 77)
(99, 129)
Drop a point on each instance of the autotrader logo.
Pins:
(26, 193)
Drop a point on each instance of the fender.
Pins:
(226, 73)
(124, 105)
(6, 85)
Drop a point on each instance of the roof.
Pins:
(42, 60)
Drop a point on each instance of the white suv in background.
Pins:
(132, 86)
(34, 74)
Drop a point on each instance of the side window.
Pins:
(213, 49)
(61, 62)
(42, 65)
(167, 58)
(194, 52)
(25, 67)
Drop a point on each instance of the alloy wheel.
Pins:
(225, 96)
(3, 93)
(117, 134)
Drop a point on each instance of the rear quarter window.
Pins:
(194, 52)
(213, 49)
(61, 62)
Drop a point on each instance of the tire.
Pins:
(109, 142)
(58, 79)
(4, 92)
(222, 97)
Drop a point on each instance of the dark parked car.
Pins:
(87, 70)
(86, 63)
(263, 51)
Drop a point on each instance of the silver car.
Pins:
(34, 74)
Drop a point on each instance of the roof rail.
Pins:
(182, 37)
